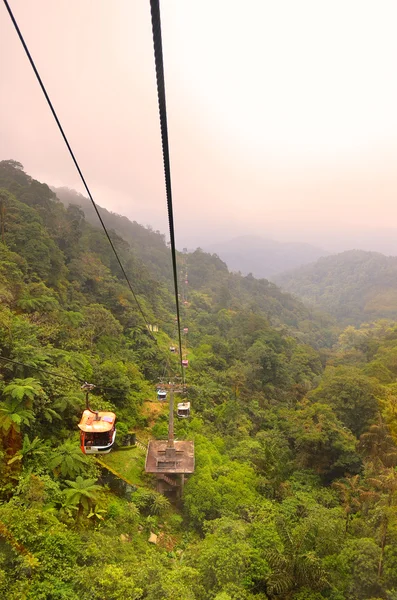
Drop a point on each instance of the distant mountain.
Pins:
(264, 257)
(355, 286)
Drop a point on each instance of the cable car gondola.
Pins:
(97, 432)
(185, 330)
(185, 362)
(172, 349)
(97, 428)
(183, 411)
(161, 395)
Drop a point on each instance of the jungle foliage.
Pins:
(294, 421)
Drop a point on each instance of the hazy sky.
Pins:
(282, 113)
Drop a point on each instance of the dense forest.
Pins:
(354, 286)
(293, 417)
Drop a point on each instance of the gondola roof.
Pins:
(90, 424)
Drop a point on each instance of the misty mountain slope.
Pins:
(263, 257)
(207, 272)
(355, 286)
(144, 253)
(148, 245)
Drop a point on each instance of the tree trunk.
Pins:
(382, 547)
(347, 522)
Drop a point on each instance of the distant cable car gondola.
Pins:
(161, 395)
(172, 349)
(97, 428)
(185, 330)
(183, 411)
(185, 362)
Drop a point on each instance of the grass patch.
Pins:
(130, 465)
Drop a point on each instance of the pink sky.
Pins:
(282, 115)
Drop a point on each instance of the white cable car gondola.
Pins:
(161, 395)
(172, 349)
(183, 411)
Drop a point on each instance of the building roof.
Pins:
(160, 458)
(91, 424)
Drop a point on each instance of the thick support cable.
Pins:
(76, 164)
(158, 56)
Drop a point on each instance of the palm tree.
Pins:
(23, 390)
(73, 360)
(71, 402)
(351, 495)
(50, 414)
(159, 504)
(30, 449)
(378, 444)
(81, 493)
(386, 483)
(297, 566)
(68, 460)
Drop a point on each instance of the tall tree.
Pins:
(378, 445)
(296, 566)
(351, 494)
(386, 484)
(82, 493)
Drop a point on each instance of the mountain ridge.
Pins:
(354, 286)
(264, 257)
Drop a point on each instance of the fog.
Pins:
(282, 116)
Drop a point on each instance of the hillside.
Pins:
(294, 492)
(208, 274)
(354, 286)
(148, 246)
(264, 257)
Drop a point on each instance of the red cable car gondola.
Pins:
(97, 432)
(97, 428)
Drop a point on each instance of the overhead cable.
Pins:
(54, 114)
(158, 56)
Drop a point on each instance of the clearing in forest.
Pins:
(129, 463)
